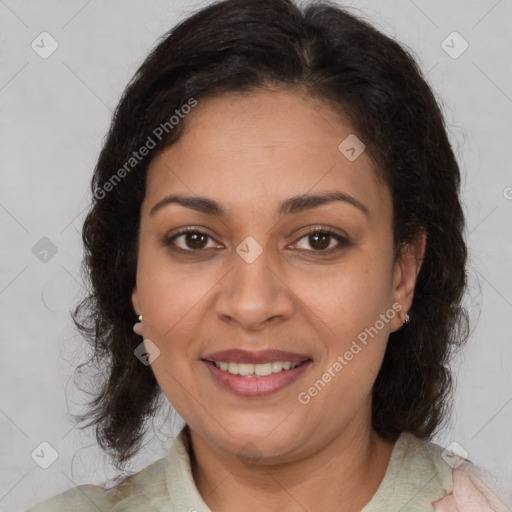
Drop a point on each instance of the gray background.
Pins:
(54, 115)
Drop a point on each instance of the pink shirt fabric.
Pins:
(475, 491)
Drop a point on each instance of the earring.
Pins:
(406, 319)
(137, 328)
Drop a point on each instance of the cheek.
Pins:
(347, 297)
(170, 292)
(353, 318)
(174, 300)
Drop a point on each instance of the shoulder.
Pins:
(421, 459)
(475, 489)
(83, 498)
(145, 490)
(423, 475)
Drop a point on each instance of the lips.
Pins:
(256, 386)
(260, 357)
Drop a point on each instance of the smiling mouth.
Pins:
(256, 370)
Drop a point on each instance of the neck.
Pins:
(342, 475)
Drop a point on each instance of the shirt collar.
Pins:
(183, 493)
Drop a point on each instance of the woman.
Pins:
(276, 208)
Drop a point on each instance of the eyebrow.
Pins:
(288, 207)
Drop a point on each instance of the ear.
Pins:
(406, 270)
(137, 327)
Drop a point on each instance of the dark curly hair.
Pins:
(235, 46)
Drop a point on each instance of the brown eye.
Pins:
(191, 241)
(320, 241)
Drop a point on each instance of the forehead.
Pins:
(262, 147)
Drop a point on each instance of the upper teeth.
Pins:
(261, 370)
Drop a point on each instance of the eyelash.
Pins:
(342, 241)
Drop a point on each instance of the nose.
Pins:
(255, 293)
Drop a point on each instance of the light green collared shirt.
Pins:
(416, 477)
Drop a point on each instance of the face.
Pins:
(315, 279)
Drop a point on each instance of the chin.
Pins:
(250, 441)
